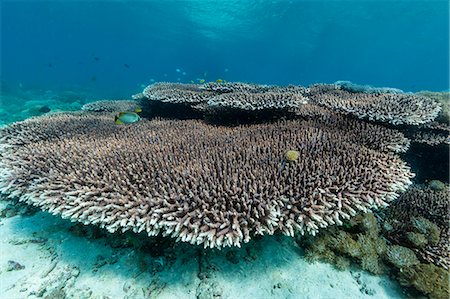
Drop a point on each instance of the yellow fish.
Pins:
(288, 157)
(219, 80)
(127, 117)
(202, 80)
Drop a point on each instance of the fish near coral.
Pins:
(289, 156)
(127, 117)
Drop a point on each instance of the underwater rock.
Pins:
(44, 109)
(55, 284)
(207, 288)
(15, 207)
(436, 185)
(14, 266)
(186, 158)
(401, 257)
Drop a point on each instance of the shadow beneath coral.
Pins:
(128, 265)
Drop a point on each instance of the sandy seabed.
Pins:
(43, 256)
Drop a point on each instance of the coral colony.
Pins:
(216, 185)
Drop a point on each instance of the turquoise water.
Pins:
(57, 56)
(111, 48)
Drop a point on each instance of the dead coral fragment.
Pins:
(153, 176)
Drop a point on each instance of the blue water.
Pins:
(111, 48)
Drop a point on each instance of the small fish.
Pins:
(201, 80)
(219, 81)
(177, 70)
(288, 157)
(127, 117)
(192, 81)
(94, 79)
(49, 65)
(126, 65)
(184, 73)
(96, 58)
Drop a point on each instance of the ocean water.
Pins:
(113, 47)
(57, 57)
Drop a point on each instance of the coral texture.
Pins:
(352, 87)
(257, 101)
(424, 211)
(203, 184)
(111, 106)
(392, 108)
(234, 87)
(430, 138)
(177, 93)
(359, 240)
(370, 135)
(428, 279)
(444, 99)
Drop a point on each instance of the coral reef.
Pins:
(163, 176)
(357, 240)
(444, 99)
(391, 108)
(420, 218)
(238, 87)
(438, 131)
(232, 99)
(360, 240)
(177, 93)
(428, 279)
(257, 101)
(357, 88)
(370, 135)
(430, 138)
(111, 106)
(401, 257)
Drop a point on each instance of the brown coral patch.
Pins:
(432, 205)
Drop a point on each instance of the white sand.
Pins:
(270, 268)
